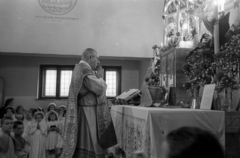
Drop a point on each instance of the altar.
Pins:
(145, 128)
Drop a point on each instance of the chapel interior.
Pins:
(39, 47)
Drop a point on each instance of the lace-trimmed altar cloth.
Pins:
(144, 128)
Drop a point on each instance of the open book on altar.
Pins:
(127, 95)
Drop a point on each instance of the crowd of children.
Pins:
(32, 133)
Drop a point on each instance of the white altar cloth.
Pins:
(145, 128)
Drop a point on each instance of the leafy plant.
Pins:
(226, 63)
(198, 67)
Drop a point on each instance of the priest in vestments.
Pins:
(89, 130)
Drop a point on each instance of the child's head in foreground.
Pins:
(18, 128)
(7, 124)
(191, 142)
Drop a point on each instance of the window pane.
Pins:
(111, 80)
(65, 82)
(50, 83)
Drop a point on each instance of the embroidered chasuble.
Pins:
(88, 129)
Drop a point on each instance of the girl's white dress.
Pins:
(61, 130)
(38, 140)
(53, 137)
(27, 127)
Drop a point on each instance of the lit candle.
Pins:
(221, 7)
(218, 7)
(215, 11)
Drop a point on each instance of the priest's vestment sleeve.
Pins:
(94, 84)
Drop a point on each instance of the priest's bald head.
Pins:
(91, 57)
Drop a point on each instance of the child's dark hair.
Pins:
(16, 124)
(189, 142)
(6, 118)
(64, 112)
(51, 104)
(33, 111)
(9, 107)
(41, 114)
(50, 113)
(18, 108)
(8, 101)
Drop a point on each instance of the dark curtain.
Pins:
(223, 28)
(208, 24)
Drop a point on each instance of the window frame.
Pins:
(118, 69)
(42, 75)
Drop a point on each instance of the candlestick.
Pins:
(216, 38)
(188, 21)
(164, 32)
(216, 30)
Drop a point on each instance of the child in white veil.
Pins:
(54, 134)
(38, 132)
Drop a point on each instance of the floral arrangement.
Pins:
(198, 68)
(156, 91)
(204, 67)
(226, 62)
(153, 79)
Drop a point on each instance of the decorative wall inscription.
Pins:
(57, 7)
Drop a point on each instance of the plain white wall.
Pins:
(123, 28)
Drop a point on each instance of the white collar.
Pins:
(84, 62)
